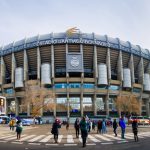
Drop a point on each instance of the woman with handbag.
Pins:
(55, 130)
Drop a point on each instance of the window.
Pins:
(61, 104)
(100, 104)
(74, 103)
(113, 87)
(74, 85)
(9, 91)
(87, 104)
(88, 86)
(112, 106)
(102, 87)
(60, 85)
(136, 90)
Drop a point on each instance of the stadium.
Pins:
(86, 72)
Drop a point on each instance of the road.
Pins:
(39, 137)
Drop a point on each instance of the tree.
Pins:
(38, 98)
(128, 104)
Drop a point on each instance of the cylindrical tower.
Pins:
(102, 74)
(19, 77)
(126, 78)
(45, 73)
(146, 82)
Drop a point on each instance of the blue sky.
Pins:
(127, 19)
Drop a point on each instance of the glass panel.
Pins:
(87, 104)
(113, 87)
(112, 106)
(99, 104)
(60, 85)
(61, 104)
(74, 85)
(74, 107)
(88, 86)
(9, 91)
(74, 100)
(87, 100)
(136, 90)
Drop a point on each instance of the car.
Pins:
(25, 122)
(29, 121)
(141, 120)
(4, 119)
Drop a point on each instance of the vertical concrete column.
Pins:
(82, 81)
(13, 67)
(52, 61)
(107, 104)
(94, 105)
(95, 62)
(28, 109)
(108, 64)
(81, 104)
(141, 71)
(25, 65)
(38, 64)
(148, 107)
(120, 67)
(131, 66)
(148, 69)
(6, 106)
(16, 106)
(3, 71)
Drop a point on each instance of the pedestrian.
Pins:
(115, 125)
(99, 126)
(67, 125)
(93, 125)
(123, 127)
(104, 130)
(84, 130)
(12, 124)
(55, 130)
(89, 125)
(18, 129)
(77, 127)
(135, 130)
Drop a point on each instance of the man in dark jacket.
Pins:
(55, 130)
(115, 125)
(84, 130)
(135, 130)
(77, 127)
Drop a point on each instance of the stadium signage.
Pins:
(71, 41)
(74, 62)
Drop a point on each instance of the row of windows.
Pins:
(78, 85)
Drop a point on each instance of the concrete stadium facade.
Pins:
(86, 72)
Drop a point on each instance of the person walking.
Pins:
(93, 125)
(115, 125)
(12, 124)
(135, 130)
(77, 127)
(123, 127)
(99, 126)
(67, 125)
(55, 130)
(104, 130)
(84, 130)
(18, 129)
